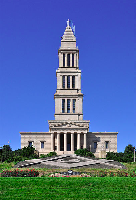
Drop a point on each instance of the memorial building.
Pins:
(69, 132)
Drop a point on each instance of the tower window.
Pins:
(63, 105)
(30, 144)
(63, 60)
(68, 81)
(68, 105)
(73, 81)
(63, 81)
(42, 145)
(95, 145)
(74, 101)
(107, 144)
(72, 60)
(68, 60)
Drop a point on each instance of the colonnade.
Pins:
(65, 141)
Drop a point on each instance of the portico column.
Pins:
(65, 142)
(72, 141)
(84, 140)
(78, 141)
(52, 141)
(58, 141)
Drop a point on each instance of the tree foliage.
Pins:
(127, 156)
(18, 155)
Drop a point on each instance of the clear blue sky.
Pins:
(30, 35)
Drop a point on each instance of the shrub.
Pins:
(84, 152)
(48, 155)
(20, 173)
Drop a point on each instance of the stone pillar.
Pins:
(75, 60)
(65, 142)
(78, 141)
(65, 105)
(65, 59)
(58, 141)
(70, 82)
(84, 140)
(72, 141)
(52, 141)
(71, 60)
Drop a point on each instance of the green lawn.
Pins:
(68, 188)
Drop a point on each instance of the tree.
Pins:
(7, 153)
(129, 153)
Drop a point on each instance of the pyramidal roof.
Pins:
(68, 34)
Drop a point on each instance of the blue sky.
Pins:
(30, 34)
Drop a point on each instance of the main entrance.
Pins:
(68, 142)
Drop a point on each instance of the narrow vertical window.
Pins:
(68, 81)
(95, 145)
(30, 144)
(74, 102)
(107, 144)
(68, 105)
(73, 81)
(72, 60)
(68, 60)
(42, 145)
(63, 81)
(63, 105)
(63, 60)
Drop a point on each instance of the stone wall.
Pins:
(101, 138)
(37, 138)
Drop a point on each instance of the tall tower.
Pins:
(68, 130)
(68, 96)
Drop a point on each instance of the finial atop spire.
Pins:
(68, 23)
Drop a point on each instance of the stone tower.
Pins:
(68, 130)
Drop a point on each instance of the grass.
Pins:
(68, 188)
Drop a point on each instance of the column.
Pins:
(65, 59)
(65, 82)
(52, 141)
(72, 141)
(84, 140)
(71, 60)
(65, 105)
(75, 60)
(78, 141)
(65, 142)
(58, 141)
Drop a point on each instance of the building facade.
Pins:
(69, 132)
